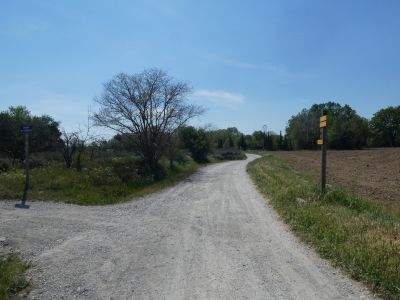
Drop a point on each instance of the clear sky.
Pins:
(249, 62)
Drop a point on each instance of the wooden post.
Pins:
(323, 126)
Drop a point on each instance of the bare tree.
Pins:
(70, 141)
(150, 106)
(96, 144)
(75, 143)
(84, 138)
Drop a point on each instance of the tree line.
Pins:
(149, 113)
(46, 136)
(346, 129)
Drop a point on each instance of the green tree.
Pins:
(249, 141)
(258, 138)
(346, 129)
(44, 137)
(242, 145)
(229, 143)
(385, 127)
(224, 138)
(196, 141)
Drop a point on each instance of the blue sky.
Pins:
(249, 62)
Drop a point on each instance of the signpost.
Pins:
(26, 130)
(323, 142)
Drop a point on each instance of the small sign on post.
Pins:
(323, 142)
(26, 130)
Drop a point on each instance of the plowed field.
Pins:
(372, 173)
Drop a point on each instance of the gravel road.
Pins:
(210, 237)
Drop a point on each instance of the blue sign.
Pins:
(26, 128)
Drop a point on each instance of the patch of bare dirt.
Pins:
(371, 173)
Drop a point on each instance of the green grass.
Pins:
(353, 234)
(12, 278)
(99, 183)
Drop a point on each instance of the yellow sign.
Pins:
(322, 124)
(320, 142)
(323, 119)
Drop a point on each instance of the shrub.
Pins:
(134, 171)
(229, 154)
(103, 176)
(180, 157)
(4, 167)
(35, 163)
(196, 141)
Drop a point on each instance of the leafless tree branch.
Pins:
(150, 106)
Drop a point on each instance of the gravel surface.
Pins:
(210, 237)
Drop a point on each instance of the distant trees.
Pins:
(229, 142)
(44, 137)
(224, 138)
(149, 113)
(148, 107)
(303, 129)
(385, 127)
(242, 144)
(196, 141)
(347, 130)
(258, 139)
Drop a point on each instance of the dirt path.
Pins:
(210, 237)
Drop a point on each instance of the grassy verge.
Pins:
(12, 278)
(98, 184)
(101, 182)
(354, 234)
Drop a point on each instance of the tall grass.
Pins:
(99, 183)
(354, 234)
(12, 278)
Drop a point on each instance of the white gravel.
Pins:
(210, 237)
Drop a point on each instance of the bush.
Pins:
(35, 163)
(133, 170)
(102, 182)
(196, 141)
(4, 167)
(180, 157)
(229, 155)
(103, 176)
(48, 157)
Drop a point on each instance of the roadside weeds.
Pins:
(355, 235)
(101, 183)
(12, 278)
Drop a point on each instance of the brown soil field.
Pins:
(372, 173)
